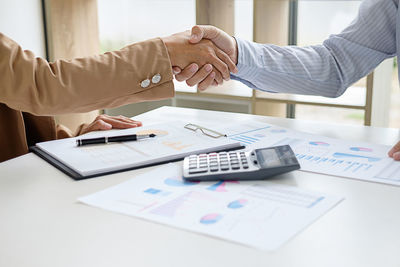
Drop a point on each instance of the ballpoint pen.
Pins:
(108, 139)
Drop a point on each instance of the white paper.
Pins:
(173, 141)
(315, 153)
(259, 214)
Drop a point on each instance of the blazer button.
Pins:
(156, 78)
(145, 83)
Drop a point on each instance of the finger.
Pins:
(396, 156)
(225, 58)
(395, 148)
(98, 125)
(203, 31)
(206, 82)
(214, 83)
(187, 72)
(176, 70)
(119, 124)
(218, 77)
(200, 75)
(126, 119)
(221, 66)
(197, 35)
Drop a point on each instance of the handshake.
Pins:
(205, 56)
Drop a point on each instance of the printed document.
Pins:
(316, 153)
(259, 214)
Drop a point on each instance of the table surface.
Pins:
(42, 224)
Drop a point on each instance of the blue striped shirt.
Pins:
(327, 69)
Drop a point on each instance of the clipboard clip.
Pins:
(205, 131)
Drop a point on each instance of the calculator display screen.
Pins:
(268, 158)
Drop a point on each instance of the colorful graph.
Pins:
(338, 164)
(156, 132)
(245, 139)
(178, 182)
(210, 218)
(346, 155)
(237, 204)
(318, 143)
(363, 149)
(220, 186)
(249, 137)
(154, 191)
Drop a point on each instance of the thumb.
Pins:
(197, 34)
(203, 32)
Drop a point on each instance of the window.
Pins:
(122, 22)
(308, 22)
(316, 21)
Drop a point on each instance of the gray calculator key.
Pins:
(213, 169)
(245, 166)
(235, 166)
(197, 170)
(224, 167)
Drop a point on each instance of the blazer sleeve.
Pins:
(33, 85)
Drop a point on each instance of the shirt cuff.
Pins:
(248, 54)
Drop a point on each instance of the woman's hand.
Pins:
(395, 151)
(106, 122)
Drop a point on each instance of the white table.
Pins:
(41, 223)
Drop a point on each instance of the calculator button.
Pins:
(197, 171)
(224, 167)
(234, 162)
(213, 169)
(245, 166)
(235, 166)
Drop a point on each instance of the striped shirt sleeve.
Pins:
(327, 69)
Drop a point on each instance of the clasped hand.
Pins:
(197, 60)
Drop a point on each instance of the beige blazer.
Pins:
(32, 89)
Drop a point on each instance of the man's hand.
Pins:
(395, 151)
(221, 39)
(182, 53)
(105, 122)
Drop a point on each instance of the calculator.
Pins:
(240, 165)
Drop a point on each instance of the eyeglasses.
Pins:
(205, 131)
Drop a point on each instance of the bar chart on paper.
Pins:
(343, 158)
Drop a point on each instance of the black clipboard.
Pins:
(77, 176)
